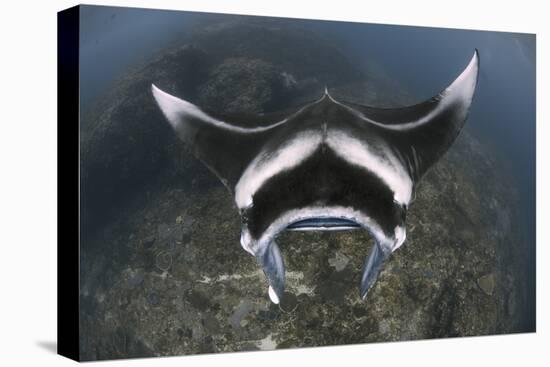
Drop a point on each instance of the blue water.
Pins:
(113, 39)
(422, 60)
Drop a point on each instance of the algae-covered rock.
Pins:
(243, 85)
(487, 283)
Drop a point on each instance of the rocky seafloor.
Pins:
(162, 270)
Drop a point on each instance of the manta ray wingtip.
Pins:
(155, 89)
(157, 93)
(476, 58)
(474, 62)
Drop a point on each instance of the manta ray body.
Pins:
(327, 166)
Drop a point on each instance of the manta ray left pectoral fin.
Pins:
(223, 147)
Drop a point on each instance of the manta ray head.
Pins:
(327, 166)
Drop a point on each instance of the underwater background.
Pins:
(162, 269)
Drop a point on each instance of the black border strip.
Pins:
(68, 137)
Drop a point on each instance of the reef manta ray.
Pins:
(328, 166)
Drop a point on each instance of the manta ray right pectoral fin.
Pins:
(271, 261)
(374, 264)
(425, 131)
(223, 147)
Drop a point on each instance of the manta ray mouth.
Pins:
(323, 224)
(316, 218)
